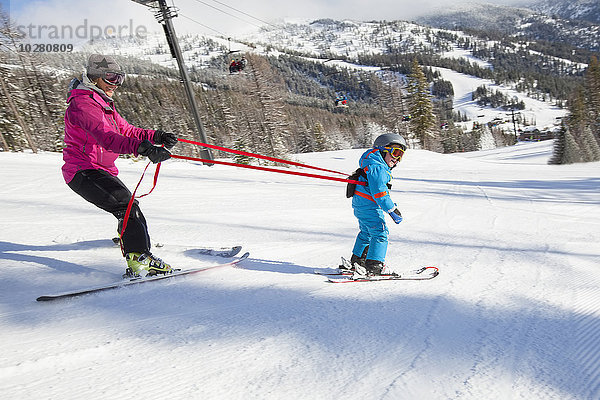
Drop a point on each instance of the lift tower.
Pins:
(164, 14)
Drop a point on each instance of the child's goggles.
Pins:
(114, 78)
(395, 152)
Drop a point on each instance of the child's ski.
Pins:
(345, 268)
(420, 274)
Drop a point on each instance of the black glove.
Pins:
(156, 154)
(162, 137)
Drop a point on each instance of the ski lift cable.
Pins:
(203, 25)
(225, 12)
(245, 13)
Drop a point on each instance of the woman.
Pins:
(95, 135)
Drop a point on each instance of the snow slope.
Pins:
(537, 113)
(513, 314)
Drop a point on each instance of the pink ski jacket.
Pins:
(95, 134)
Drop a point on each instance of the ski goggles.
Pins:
(114, 78)
(395, 152)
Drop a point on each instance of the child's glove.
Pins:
(396, 216)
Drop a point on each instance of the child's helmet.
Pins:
(388, 143)
(388, 139)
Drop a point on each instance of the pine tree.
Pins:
(450, 139)
(390, 97)
(592, 83)
(241, 145)
(590, 150)
(364, 135)
(583, 120)
(319, 137)
(421, 108)
(229, 118)
(17, 115)
(305, 141)
(273, 126)
(10, 90)
(566, 150)
(486, 141)
(572, 152)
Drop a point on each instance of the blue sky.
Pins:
(207, 19)
(5, 4)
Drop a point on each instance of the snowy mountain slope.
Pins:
(344, 38)
(317, 38)
(197, 50)
(513, 314)
(476, 15)
(587, 10)
(552, 21)
(337, 43)
(536, 113)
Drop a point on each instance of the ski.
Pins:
(345, 268)
(345, 273)
(337, 272)
(420, 274)
(136, 281)
(219, 252)
(205, 251)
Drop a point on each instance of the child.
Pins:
(372, 200)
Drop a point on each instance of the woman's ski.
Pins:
(205, 251)
(137, 281)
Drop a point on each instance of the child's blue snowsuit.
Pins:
(371, 203)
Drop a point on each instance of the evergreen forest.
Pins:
(282, 104)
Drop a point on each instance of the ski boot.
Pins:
(375, 267)
(354, 260)
(137, 263)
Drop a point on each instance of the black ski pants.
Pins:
(110, 194)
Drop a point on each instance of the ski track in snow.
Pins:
(513, 314)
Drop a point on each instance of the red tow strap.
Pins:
(130, 204)
(331, 178)
(228, 150)
(254, 155)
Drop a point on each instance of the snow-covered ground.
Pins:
(457, 52)
(537, 113)
(513, 314)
